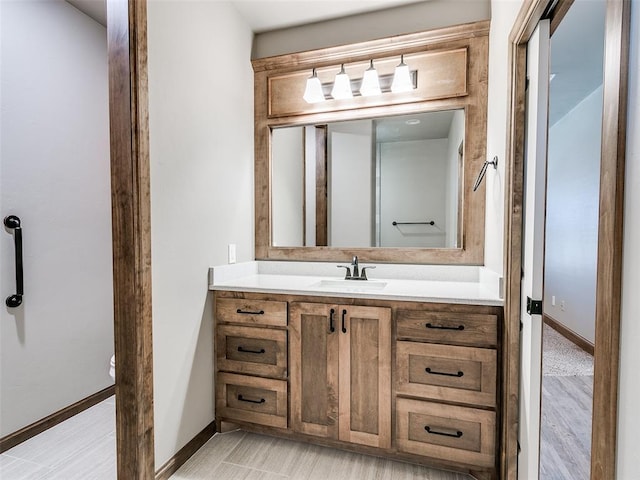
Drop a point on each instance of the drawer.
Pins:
(251, 312)
(252, 399)
(471, 329)
(460, 434)
(445, 372)
(252, 350)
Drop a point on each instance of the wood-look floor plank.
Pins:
(209, 456)
(58, 445)
(258, 455)
(565, 449)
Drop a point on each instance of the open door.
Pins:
(533, 250)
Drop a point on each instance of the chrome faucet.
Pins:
(357, 273)
(354, 264)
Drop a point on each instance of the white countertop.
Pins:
(424, 283)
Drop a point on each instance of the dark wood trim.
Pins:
(322, 208)
(608, 290)
(610, 236)
(186, 452)
(569, 334)
(559, 13)
(25, 433)
(130, 200)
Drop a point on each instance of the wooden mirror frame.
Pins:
(472, 38)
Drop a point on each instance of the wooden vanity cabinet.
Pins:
(340, 372)
(408, 380)
(251, 361)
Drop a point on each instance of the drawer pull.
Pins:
(249, 312)
(443, 327)
(431, 372)
(458, 433)
(245, 350)
(331, 327)
(344, 328)
(242, 399)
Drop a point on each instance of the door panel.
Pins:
(313, 361)
(533, 248)
(365, 376)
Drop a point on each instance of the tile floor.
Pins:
(248, 456)
(83, 448)
(80, 448)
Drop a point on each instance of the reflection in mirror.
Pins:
(385, 182)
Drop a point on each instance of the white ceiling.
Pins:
(265, 15)
(577, 53)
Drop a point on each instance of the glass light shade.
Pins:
(341, 86)
(313, 92)
(370, 82)
(402, 78)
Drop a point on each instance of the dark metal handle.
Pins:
(331, 327)
(244, 350)
(248, 312)
(242, 399)
(394, 223)
(459, 374)
(443, 327)
(344, 327)
(458, 433)
(13, 223)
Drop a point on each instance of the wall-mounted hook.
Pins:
(483, 170)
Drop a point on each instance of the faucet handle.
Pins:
(347, 274)
(363, 274)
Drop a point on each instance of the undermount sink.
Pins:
(350, 285)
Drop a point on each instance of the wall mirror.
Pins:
(388, 178)
(389, 182)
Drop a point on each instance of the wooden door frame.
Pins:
(610, 224)
(130, 197)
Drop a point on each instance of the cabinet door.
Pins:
(365, 375)
(313, 361)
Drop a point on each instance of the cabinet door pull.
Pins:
(443, 327)
(331, 326)
(249, 312)
(459, 374)
(246, 350)
(344, 327)
(242, 399)
(458, 433)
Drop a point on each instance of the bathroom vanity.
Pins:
(406, 368)
(410, 364)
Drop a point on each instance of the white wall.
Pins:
(628, 417)
(349, 188)
(412, 190)
(201, 135)
(455, 137)
(503, 15)
(358, 28)
(54, 165)
(573, 194)
(287, 167)
(310, 185)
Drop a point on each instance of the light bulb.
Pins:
(402, 78)
(370, 82)
(313, 92)
(341, 85)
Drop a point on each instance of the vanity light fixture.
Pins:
(370, 82)
(313, 92)
(341, 85)
(402, 78)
